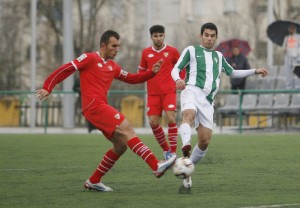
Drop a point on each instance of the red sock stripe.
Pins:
(160, 137)
(105, 165)
(172, 125)
(173, 136)
(158, 132)
(142, 150)
(137, 146)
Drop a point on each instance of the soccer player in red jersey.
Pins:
(161, 89)
(97, 71)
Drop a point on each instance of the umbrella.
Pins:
(279, 29)
(297, 70)
(225, 47)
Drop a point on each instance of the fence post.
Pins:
(45, 108)
(240, 111)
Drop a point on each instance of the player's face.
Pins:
(208, 38)
(112, 48)
(158, 40)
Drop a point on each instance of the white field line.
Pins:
(274, 205)
(36, 169)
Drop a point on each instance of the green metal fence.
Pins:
(49, 112)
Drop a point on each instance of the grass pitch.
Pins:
(238, 171)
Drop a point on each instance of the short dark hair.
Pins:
(210, 26)
(107, 35)
(157, 29)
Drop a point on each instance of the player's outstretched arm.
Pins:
(42, 94)
(262, 71)
(139, 77)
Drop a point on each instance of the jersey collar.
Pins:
(101, 58)
(163, 48)
(206, 49)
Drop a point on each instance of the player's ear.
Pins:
(102, 45)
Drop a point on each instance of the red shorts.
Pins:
(157, 103)
(104, 117)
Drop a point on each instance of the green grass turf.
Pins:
(238, 171)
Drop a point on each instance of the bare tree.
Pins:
(11, 38)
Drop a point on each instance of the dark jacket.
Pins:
(239, 62)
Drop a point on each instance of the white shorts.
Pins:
(193, 97)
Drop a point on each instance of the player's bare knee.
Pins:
(153, 121)
(171, 120)
(188, 116)
(204, 142)
(203, 146)
(171, 116)
(126, 130)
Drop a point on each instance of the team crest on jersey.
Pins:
(150, 55)
(216, 59)
(80, 58)
(117, 116)
(99, 64)
(166, 54)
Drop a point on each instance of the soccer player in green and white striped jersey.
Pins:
(203, 69)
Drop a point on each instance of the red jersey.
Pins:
(96, 76)
(162, 83)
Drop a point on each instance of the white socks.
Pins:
(185, 133)
(197, 154)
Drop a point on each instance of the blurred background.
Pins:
(34, 34)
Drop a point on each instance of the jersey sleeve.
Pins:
(82, 61)
(137, 78)
(184, 59)
(58, 76)
(182, 62)
(143, 63)
(176, 56)
(226, 67)
(64, 71)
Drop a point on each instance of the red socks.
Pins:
(137, 146)
(173, 135)
(160, 137)
(105, 165)
(109, 159)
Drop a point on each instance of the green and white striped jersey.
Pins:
(203, 68)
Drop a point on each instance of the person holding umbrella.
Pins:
(291, 46)
(238, 61)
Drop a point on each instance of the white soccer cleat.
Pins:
(163, 165)
(187, 183)
(96, 186)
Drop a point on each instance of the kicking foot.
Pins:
(163, 166)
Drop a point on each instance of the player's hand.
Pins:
(42, 94)
(157, 65)
(262, 71)
(180, 84)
